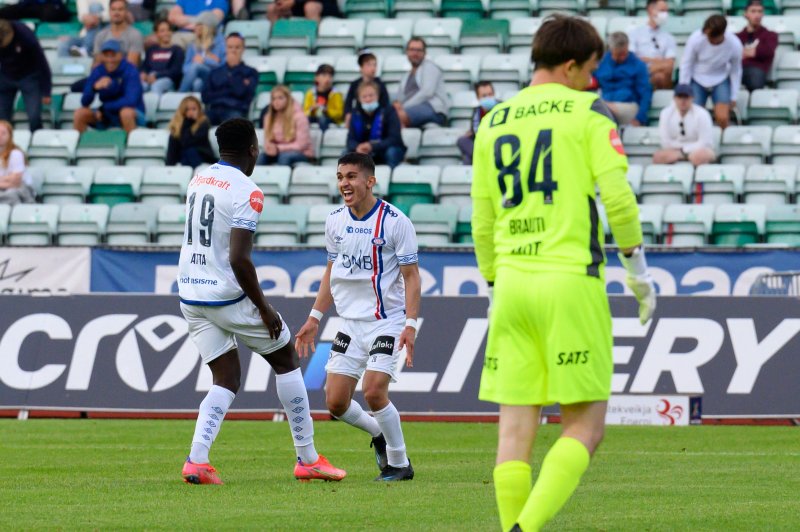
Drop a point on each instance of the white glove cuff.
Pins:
(636, 264)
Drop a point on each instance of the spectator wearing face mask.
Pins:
(484, 90)
(375, 128)
(654, 45)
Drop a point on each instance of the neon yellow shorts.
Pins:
(549, 340)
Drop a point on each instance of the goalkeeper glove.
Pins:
(641, 283)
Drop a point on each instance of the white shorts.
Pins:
(370, 345)
(212, 329)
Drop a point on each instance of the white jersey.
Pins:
(219, 199)
(367, 254)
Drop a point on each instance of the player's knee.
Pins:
(337, 406)
(376, 397)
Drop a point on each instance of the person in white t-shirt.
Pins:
(654, 45)
(221, 299)
(686, 131)
(372, 277)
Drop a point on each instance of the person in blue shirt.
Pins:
(625, 82)
(183, 16)
(204, 54)
(231, 86)
(374, 128)
(116, 82)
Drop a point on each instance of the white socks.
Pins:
(294, 398)
(209, 420)
(389, 421)
(356, 416)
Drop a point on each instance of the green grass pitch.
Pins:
(112, 474)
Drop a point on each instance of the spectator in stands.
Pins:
(44, 10)
(654, 45)
(24, 69)
(120, 30)
(484, 90)
(310, 9)
(240, 9)
(15, 185)
(421, 96)
(368, 65)
(624, 82)
(184, 14)
(287, 140)
(375, 128)
(188, 135)
(231, 86)
(686, 131)
(203, 55)
(161, 71)
(142, 9)
(712, 65)
(323, 104)
(117, 83)
(759, 47)
(92, 22)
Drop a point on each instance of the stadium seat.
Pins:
(787, 27)
(71, 102)
(665, 184)
(412, 184)
(385, 36)
(147, 147)
(455, 185)
(5, 213)
(439, 147)
(315, 135)
(786, 145)
(641, 143)
(82, 225)
(463, 234)
(366, 9)
(738, 224)
(772, 107)
(334, 142)
(170, 225)
(512, 10)
(383, 177)
(68, 70)
(338, 37)
(624, 24)
(661, 98)
(164, 185)
(53, 147)
(282, 225)
(301, 69)
(49, 33)
(131, 224)
(261, 100)
(168, 104)
(292, 36)
(521, 31)
(22, 138)
(787, 73)
(548, 7)
(273, 181)
(440, 34)
(783, 225)
(347, 70)
(49, 112)
(393, 68)
(255, 33)
(769, 184)
(32, 224)
(651, 217)
(460, 70)
(66, 184)
(682, 27)
(463, 9)
(271, 70)
(434, 224)
(312, 184)
(606, 8)
(151, 100)
(100, 148)
(635, 174)
(507, 72)
(412, 137)
(687, 225)
(746, 144)
(484, 36)
(718, 183)
(415, 9)
(116, 184)
(315, 227)
(462, 105)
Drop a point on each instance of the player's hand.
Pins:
(407, 339)
(641, 283)
(304, 339)
(273, 322)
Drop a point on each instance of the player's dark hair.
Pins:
(363, 161)
(561, 38)
(235, 35)
(715, 26)
(364, 57)
(235, 136)
(651, 2)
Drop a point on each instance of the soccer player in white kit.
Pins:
(221, 297)
(373, 278)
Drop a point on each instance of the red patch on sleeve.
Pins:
(257, 201)
(616, 142)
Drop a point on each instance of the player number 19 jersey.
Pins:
(219, 198)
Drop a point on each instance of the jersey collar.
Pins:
(223, 163)
(370, 213)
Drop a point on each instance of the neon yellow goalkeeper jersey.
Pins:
(537, 161)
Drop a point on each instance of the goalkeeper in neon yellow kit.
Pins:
(538, 160)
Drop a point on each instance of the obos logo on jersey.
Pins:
(257, 201)
(616, 142)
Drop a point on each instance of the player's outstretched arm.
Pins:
(241, 246)
(304, 339)
(413, 286)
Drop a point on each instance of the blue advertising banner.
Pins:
(297, 272)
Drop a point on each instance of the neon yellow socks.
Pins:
(512, 484)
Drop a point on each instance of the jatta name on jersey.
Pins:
(545, 107)
(199, 259)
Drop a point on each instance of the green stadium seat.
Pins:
(292, 36)
(100, 148)
(412, 184)
(113, 185)
(463, 234)
(434, 224)
(32, 224)
(49, 33)
(82, 225)
(131, 224)
(271, 70)
(255, 33)
(367, 9)
(484, 36)
(463, 9)
(548, 7)
(783, 225)
(415, 9)
(281, 225)
(737, 225)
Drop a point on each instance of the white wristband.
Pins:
(411, 322)
(317, 315)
